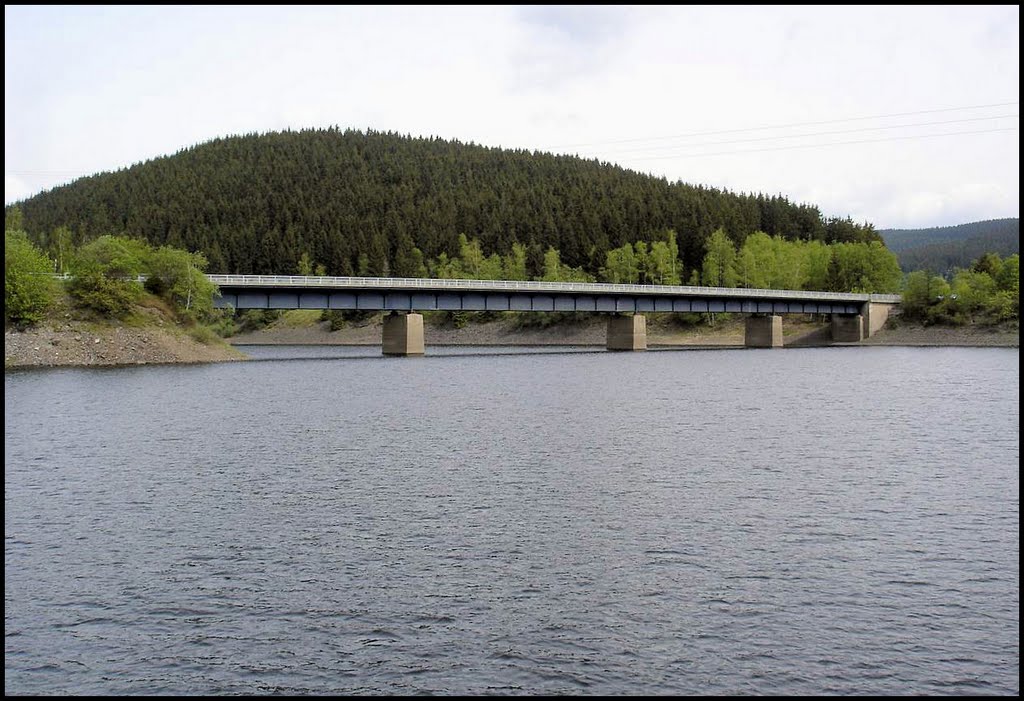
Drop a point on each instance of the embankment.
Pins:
(504, 331)
(77, 343)
(798, 332)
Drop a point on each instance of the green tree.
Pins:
(377, 260)
(719, 268)
(988, 292)
(552, 266)
(106, 272)
(29, 286)
(1008, 304)
(60, 247)
(14, 220)
(989, 263)
(642, 261)
(671, 239)
(514, 263)
(621, 265)
(1009, 274)
(662, 262)
(408, 258)
(92, 288)
(117, 256)
(747, 270)
(863, 267)
(472, 257)
(177, 276)
(971, 294)
(884, 274)
(789, 264)
(554, 271)
(921, 293)
(817, 256)
(755, 265)
(448, 268)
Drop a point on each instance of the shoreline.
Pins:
(797, 333)
(79, 344)
(84, 344)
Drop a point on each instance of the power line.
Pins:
(740, 141)
(822, 133)
(787, 126)
(837, 143)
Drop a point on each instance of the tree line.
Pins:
(111, 274)
(763, 261)
(374, 203)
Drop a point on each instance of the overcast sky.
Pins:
(901, 116)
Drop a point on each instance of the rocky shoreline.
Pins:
(966, 336)
(86, 344)
(591, 332)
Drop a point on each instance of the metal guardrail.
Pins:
(434, 284)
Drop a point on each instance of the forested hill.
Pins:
(941, 249)
(357, 202)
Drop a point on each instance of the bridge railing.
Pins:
(433, 284)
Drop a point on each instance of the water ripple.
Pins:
(803, 522)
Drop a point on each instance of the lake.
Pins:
(509, 521)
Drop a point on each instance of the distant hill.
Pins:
(941, 249)
(359, 202)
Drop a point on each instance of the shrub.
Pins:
(108, 296)
(29, 286)
(204, 335)
(256, 319)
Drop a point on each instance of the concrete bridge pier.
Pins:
(627, 333)
(763, 332)
(847, 328)
(403, 334)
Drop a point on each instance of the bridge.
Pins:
(854, 316)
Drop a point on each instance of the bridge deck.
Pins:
(431, 284)
(408, 294)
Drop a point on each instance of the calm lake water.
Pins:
(803, 521)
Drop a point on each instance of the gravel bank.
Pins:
(81, 344)
(77, 343)
(587, 332)
(912, 335)
(591, 332)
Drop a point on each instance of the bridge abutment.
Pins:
(627, 333)
(403, 334)
(763, 332)
(875, 316)
(848, 328)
